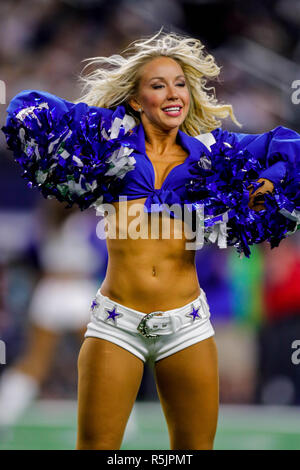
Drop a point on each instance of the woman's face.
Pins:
(163, 94)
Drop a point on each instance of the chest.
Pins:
(163, 165)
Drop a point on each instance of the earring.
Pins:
(140, 110)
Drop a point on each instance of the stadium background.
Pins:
(255, 303)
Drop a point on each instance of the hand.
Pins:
(256, 199)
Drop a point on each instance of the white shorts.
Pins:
(152, 336)
(62, 304)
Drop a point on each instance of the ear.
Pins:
(135, 105)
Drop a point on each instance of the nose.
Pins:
(172, 93)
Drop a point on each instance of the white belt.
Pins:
(154, 323)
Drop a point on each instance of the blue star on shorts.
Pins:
(112, 315)
(94, 304)
(194, 314)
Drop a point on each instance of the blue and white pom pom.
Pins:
(68, 157)
(219, 184)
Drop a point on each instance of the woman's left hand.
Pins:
(256, 198)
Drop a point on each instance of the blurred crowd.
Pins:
(255, 303)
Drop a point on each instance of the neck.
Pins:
(159, 140)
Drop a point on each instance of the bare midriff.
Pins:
(150, 272)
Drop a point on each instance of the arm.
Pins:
(68, 151)
(277, 152)
(238, 162)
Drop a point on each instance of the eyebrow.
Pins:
(162, 78)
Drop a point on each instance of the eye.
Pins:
(155, 87)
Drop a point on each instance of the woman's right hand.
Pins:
(256, 198)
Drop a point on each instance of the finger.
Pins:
(259, 207)
(256, 207)
(256, 200)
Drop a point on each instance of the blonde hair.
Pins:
(116, 79)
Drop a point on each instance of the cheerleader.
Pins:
(145, 138)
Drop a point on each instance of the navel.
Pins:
(153, 271)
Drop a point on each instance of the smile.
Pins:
(173, 111)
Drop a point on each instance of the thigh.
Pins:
(188, 388)
(109, 378)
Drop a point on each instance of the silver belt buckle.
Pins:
(143, 328)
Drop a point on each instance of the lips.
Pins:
(172, 110)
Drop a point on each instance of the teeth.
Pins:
(172, 109)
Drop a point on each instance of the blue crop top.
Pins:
(90, 156)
